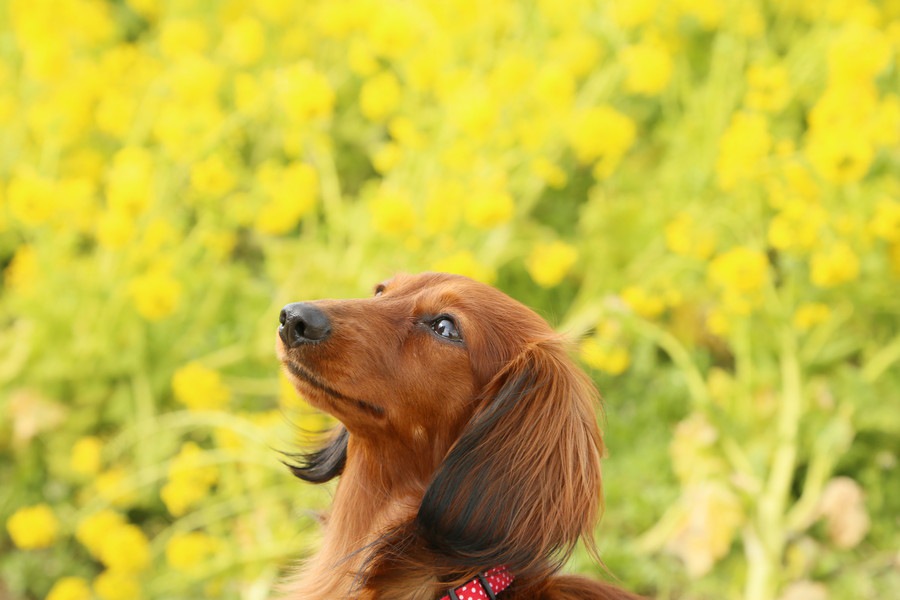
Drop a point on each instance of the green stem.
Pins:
(882, 361)
(766, 539)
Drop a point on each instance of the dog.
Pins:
(468, 451)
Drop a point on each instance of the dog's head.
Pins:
(474, 393)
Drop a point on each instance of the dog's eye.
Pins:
(445, 327)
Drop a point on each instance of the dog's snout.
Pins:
(302, 323)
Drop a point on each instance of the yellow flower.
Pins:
(92, 531)
(797, 226)
(379, 96)
(708, 13)
(129, 185)
(405, 132)
(70, 588)
(31, 198)
(578, 53)
(212, 176)
(810, 314)
(606, 357)
(857, 55)
(631, 14)
(182, 37)
(244, 41)
(187, 551)
(648, 68)
(742, 270)
(189, 480)
(554, 87)
(249, 94)
(392, 212)
(465, 263)
(195, 81)
(552, 174)
(291, 194)
(768, 88)
(601, 134)
(834, 266)
(475, 111)
(115, 112)
(643, 302)
(113, 486)
(156, 294)
(394, 30)
(685, 237)
(115, 228)
(386, 157)
(179, 496)
(840, 154)
(742, 148)
(885, 224)
(86, 455)
(487, 208)
(125, 549)
(200, 388)
(24, 269)
(116, 585)
(549, 263)
(303, 93)
(33, 527)
(360, 58)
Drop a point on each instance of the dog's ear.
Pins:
(323, 464)
(522, 483)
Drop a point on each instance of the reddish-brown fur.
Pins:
(459, 455)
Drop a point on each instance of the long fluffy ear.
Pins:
(324, 464)
(522, 483)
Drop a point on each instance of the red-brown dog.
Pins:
(469, 454)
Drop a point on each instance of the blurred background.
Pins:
(703, 193)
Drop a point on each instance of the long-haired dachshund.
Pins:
(469, 452)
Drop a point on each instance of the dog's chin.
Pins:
(320, 393)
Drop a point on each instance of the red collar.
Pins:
(483, 587)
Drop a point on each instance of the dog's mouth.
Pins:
(305, 375)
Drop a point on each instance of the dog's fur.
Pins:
(454, 455)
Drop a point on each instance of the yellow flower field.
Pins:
(705, 194)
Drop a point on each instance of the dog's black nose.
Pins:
(302, 323)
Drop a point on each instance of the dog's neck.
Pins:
(370, 499)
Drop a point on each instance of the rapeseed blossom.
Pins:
(189, 480)
(835, 265)
(117, 585)
(549, 263)
(125, 549)
(742, 149)
(741, 269)
(93, 529)
(185, 552)
(648, 67)
(810, 314)
(86, 455)
(686, 237)
(643, 302)
(490, 207)
(199, 388)
(392, 212)
(601, 134)
(33, 527)
(609, 358)
(70, 588)
(379, 96)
